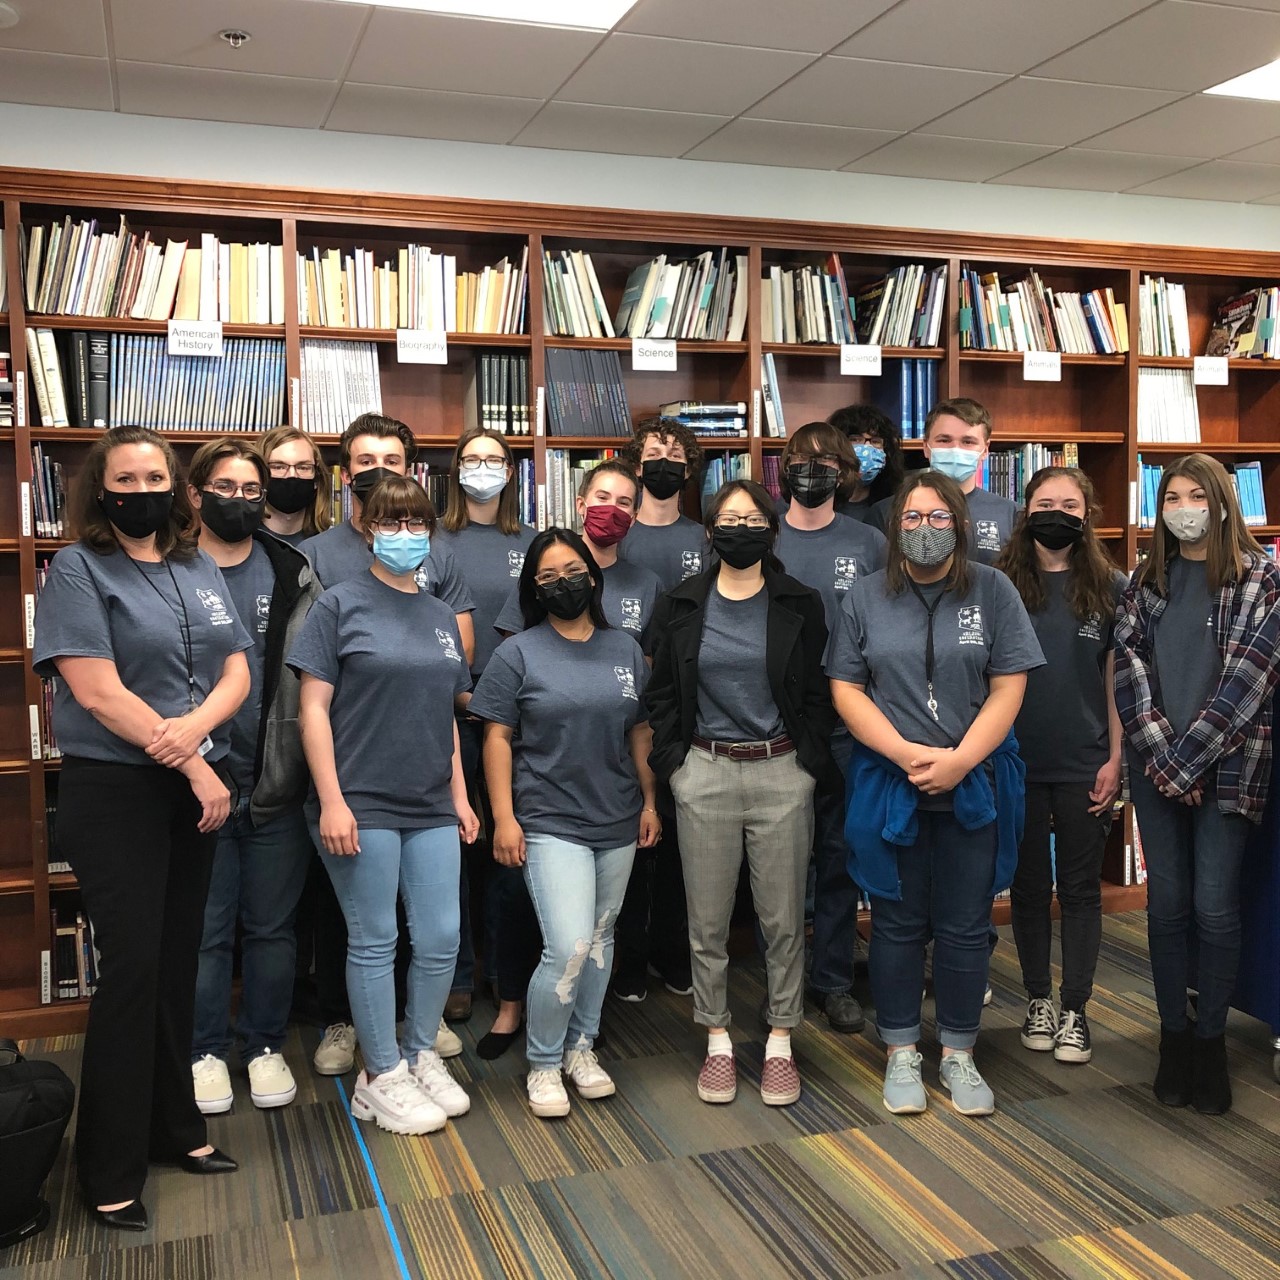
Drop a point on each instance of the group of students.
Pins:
(899, 684)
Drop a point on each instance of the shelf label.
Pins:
(1209, 371)
(1133, 502)
(1042, 366)
(25, 488)
(195, 338)
(542, 507)
(295, 402)
(20, 398)
(755, 413)
(29, 618)
(422, 346)
(653, 353)
(33, 714)
(859, 361)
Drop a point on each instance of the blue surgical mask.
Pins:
(401, 552)
(870, 461)
(959, 464)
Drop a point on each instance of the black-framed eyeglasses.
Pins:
(251, 492)
(937, 519)
(303, 470)
(477, 464)
(742, 522)
(390, 526)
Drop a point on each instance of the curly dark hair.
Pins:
(665, 429)
(865, 419)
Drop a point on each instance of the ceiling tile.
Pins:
(1272, 6)
(993, 36)
(810, 26)
(290, 37)
(871, 95)
(1174, 45)
(54, 80)
(679, 75)
(149, 89)
(575, 126)
(67, 26)
(1217, 180)
(1263, 153)
(1196, 126)
(1052, 112)
(1093, 170)
(920, 155)
(780, 142)
(432, 51)
(420, 113)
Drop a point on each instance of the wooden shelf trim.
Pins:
(825, 351)
(109, 324)
(1258, 447)
(467, 339)
(1188, 362)
(1068, 358)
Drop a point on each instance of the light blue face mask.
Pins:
(959, 464)
(870, 461)
(401, 552)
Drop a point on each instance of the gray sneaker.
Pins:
(904, 1093)
(970, 1093)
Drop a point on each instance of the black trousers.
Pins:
(653, 924)
(519, 936)
(129, 832)
(1079, 838)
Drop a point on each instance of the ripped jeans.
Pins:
(577, 893)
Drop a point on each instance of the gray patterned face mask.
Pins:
(926, 546)
(1188, 524)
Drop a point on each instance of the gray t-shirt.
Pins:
(112, 606)
(490, 562)
(572, 705)
(673, 551)
(395, 662)
(1062, 729)
(991, 519)
(251, 584)
(879, 642)
(341, 553)
(831, 559)
(735, 702)
(293, 539)
(1188, 663)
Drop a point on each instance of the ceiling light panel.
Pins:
(593, 15)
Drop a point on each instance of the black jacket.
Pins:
(795, 640)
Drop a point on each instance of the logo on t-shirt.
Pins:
(630, 607)
(690, 564)
(1091, 627)
(627, 679)
(212, 601)
(970, 618)
(986, 535)
(446, 643)
(846, 572)
(264, 613)
(422, 577)
(515, 562)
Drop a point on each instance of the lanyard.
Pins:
(185, 627)
(931, 702)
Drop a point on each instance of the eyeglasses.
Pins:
(476, 464)
(390, 527)
(937, 519)
(742, 522)
(545, 577)
(303, 470)
(228, 489)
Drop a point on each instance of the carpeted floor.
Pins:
(1080, 1173)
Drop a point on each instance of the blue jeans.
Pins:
(421, 867)
(835, 896)
(1193, 900)
(258, 874)
(946, 895)
(577, 893)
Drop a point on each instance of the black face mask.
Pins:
(231, 519)
(136, 515)
(566, 598)
(740, 548)
(1054, 530)
(362, 482)
(291, 494)
(812, 483)
(662, 477)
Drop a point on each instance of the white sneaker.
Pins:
(212, 1083)
(448, 1042)
(336, 1053)
(435, 1081)
(547, 1096)
(589, 1078)
(271, 1083)
(395, 1102)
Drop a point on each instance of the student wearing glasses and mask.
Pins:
(381, 662)
(877, 442)
(299, 505)
(566, 757)
(928, 666)
(742, 723)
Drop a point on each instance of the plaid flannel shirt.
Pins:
(1233, 729)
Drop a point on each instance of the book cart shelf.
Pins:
(1093, 406)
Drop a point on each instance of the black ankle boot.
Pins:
(1173, 1077)
(1210, 1084)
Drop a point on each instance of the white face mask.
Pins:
(1187, 524)
(484, 484)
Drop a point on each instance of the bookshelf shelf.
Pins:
(1006, 439)
(1015, 357)
(587, 442)
(518, 341)
(16, 884)
(1226, 447)
(12, 653)
(1235, 365)
(1111, 534)
(826, 351)
(15, 766)
(60, 880)
(106, 324)
(687, 347)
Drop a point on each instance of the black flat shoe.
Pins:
(133, 1217)
(493, 1044)
(215, 1162)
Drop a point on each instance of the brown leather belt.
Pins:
(746, 750)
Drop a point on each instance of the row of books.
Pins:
(907, 393)
(1135, 859)
(573, 304)
(586, 395)
(807, 304)
(502, 393)
(69, 376)
(1163, 329)
(720, 469)
(421, 289)
(1006, 471)
(339, 382)
(48, 495)
(1246, 479)
(1030, 316)
(6, 386)
(698, 298)
(82, 269)
(1245, 327)
(775, 422)
(48, 739)
(565, 474)
(904, 309)
(69, 969)
(770, 474)
(4, 277)
(1167, 407)
(708, 418)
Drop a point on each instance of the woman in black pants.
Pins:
(137, 625)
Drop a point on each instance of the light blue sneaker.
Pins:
(970, 1093)
(904, 1093)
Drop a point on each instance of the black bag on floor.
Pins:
(36, 1101)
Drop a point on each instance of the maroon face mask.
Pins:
(605, 525)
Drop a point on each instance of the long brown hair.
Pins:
(455, 516)
(1229, 540)
(88, 523)
(954, 500)
(319, 515)
(1090, 571)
